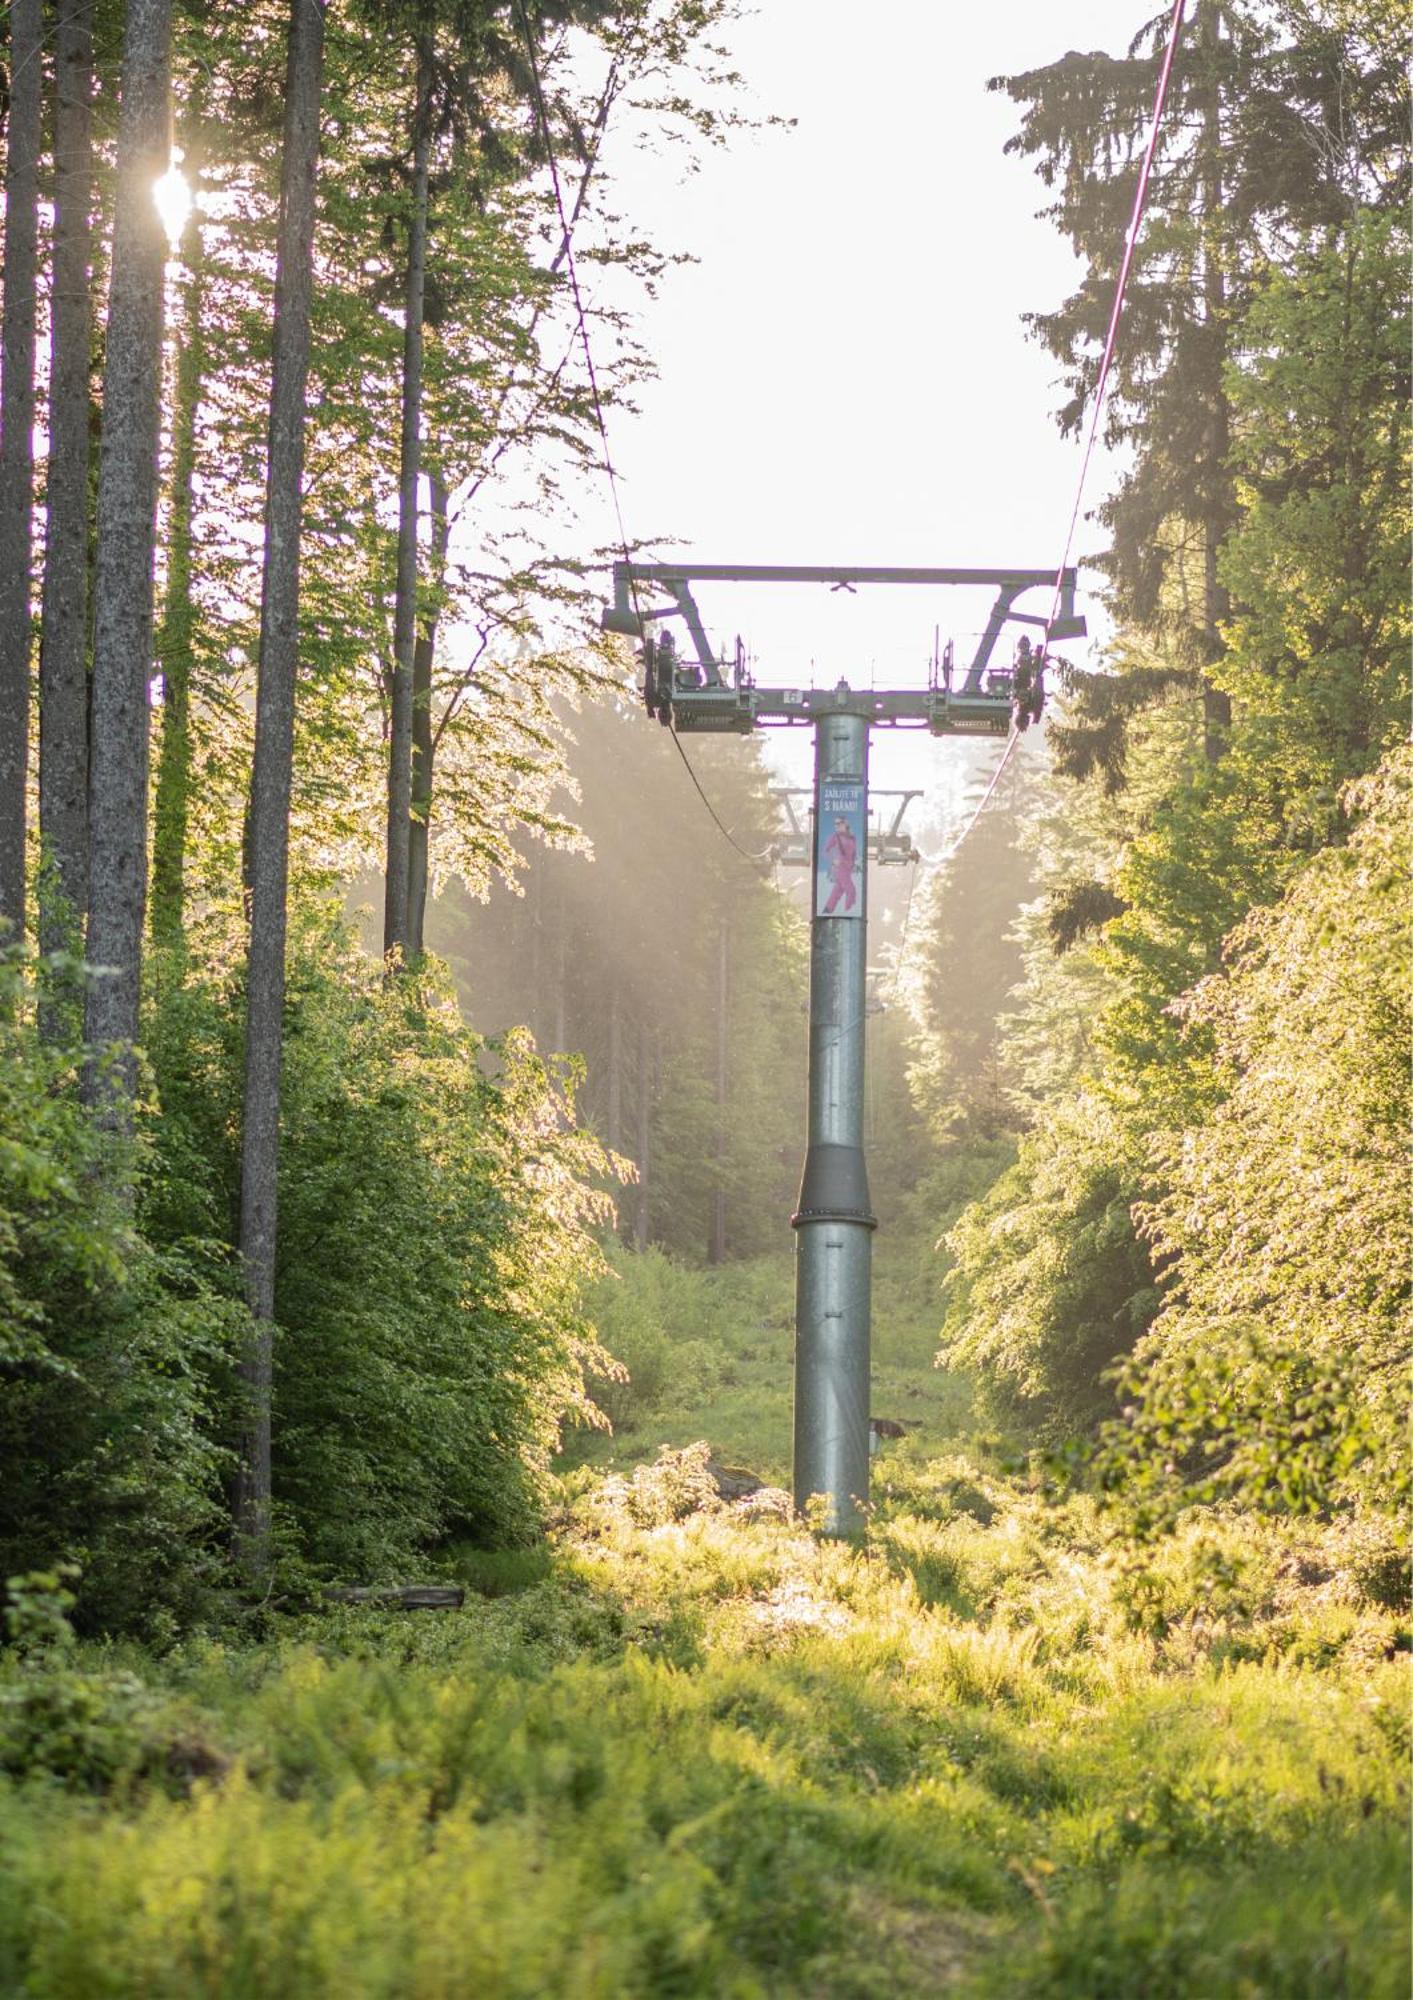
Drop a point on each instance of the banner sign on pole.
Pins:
(840, 850)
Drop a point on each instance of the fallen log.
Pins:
(403, 1597)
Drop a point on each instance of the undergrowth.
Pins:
(687, 1750)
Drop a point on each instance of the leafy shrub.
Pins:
(82, 1728)
(676, 1484)
(435, 1213)
(1051, 1282)
(1274, 1373)
(114, 1353)
(645, 1309)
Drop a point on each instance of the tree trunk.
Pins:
(63, 643)
(559, 1033)
(645, 1126)
(614, 1121)
(273, 769)
(424, 742)
(1216, 607)
(123, 566)
(396, 939)
(178, 630)
(17, 335)
(716, 1240)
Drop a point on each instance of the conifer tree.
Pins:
(1277, 119)
(63, 648)
(124, 571)
(17, 334)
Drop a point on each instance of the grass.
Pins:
(685, 1750)
(710, 1355)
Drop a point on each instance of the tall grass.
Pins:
(712, 1757)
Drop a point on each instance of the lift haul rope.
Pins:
(1140, 199)
(547, 141)
(1126, 265)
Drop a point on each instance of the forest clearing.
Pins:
(705, 1035)
(686, 1748)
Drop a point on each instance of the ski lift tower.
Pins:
(690, 689)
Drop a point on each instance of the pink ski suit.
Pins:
(841, 852)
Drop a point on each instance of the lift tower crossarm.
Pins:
(676, 579)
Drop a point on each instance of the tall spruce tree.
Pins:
(63, 647)
(1277, 117)
(17, 333)
(124, 559)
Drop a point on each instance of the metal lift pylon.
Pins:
(833, 1221)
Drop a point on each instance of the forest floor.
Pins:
(684, 1749)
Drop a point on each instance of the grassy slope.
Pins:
(693, 1753)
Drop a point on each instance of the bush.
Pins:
(113, 1353)
(1274, 1375)
(646, 1309)
(1051, 1282)
(435, 1210)
(435, 1213)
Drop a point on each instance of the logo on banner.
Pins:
(840, 850)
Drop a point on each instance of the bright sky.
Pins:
(843, 375)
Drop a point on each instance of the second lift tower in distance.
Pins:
(691, 690)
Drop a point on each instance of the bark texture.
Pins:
(268, 841)
(171, 809)
(642, 1211)
(424, 736)
(17, 449)
(716, 1235)
(63, 643)
(123, 566)
(396, 910)
(1216, 603)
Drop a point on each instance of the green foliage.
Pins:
(712, 1756)
(708, 1352)
(79, 1728)
(703, 1350)
(59, 1241)
(1317, 653)
(1187, 879)
(676, 1484)
(1279, 123)
(434, 1216)
(1217, 1069)
(436, 1203)
(616, 951)
(1274, 1373)
(37, 1608)
(1051, 1282)
(113, 1356)
(1174, 1933)
(651, 1316)
(967, 963)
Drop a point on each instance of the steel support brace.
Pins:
(834, 1223)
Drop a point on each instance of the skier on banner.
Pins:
(842, 853)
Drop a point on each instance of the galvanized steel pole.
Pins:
(835, 1222)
